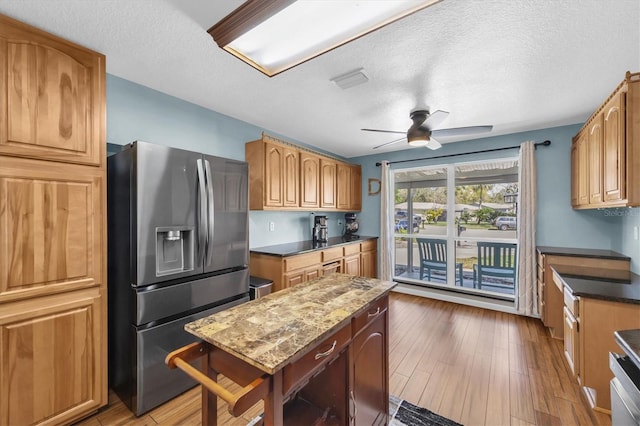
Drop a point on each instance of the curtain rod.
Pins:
(535, 145)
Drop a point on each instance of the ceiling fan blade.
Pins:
(461, 131)
(433, 144)
(383, 131)
(435, 118)
(390, 143)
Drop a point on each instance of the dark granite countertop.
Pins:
(629, 341)
(567, 251)
(300, 247)
(598, 283)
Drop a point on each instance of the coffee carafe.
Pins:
(320, 229)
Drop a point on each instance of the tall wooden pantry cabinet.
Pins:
(53, 317)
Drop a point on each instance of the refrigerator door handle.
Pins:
(210, 203)
(202, 207)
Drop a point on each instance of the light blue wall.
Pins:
(135, 112)
(557, 223)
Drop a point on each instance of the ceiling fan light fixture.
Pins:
(276, 35)
(419, 141)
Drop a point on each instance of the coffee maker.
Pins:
(320, 229)
(350, 226)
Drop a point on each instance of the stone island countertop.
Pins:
(272, 331)
(299, 247)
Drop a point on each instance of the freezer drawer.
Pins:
(156, 383)
(159, 303)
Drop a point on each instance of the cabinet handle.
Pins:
(369, 315)
(328, 352)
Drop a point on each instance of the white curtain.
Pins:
(386, 224)
(527, 298)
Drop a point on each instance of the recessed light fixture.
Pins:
(351, 79)
(275, 35)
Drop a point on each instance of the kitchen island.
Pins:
(318, 349)
(597, 302)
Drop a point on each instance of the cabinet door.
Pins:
(52, 97)
(290, 181)
(309, 180)
(582, 170)
(343, 186)
(575, 176)
(51, 227)
(273, 175)
(352, 265)
(356, 188)
(369, 374)
(52, 362)
(595, 161)
(294, 278)
(571, 342)
(368, 264)
(614, 149)
(312, 274)
(328, 170)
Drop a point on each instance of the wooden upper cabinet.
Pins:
(290, 181)
(52, 96)
(614, 149)
(594, 149)
(355, 203)
(609, 162)
(51, 227)
(283, 176)
(328, 175)
(309, 180)
(349, 187)
(583, 169)
(343, 186)
(575, 185)
(274, 175)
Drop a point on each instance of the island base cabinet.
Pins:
(369, 395)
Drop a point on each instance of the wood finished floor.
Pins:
(474, 366)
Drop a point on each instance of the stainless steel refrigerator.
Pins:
(178, 251)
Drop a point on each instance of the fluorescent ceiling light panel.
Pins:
(275, 35)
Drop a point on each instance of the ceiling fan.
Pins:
(422, 132)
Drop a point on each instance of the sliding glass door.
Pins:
(455, 226)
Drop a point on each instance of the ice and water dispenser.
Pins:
(175, 247)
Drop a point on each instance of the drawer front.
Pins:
(372, 312)
(571, 302)
(331, 254)
(369, 245)
(295, 373)
(301, 261)
(540, 274)
(351, 249)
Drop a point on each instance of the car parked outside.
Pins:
(504, 223)
(403, 225)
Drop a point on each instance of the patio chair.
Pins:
(496, 260)
(433, 256)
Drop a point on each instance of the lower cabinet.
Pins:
(571, 342)
(369, 394)
(52, 358)
(357, 258)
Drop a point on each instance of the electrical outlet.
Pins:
(272, 226)
(635, 232)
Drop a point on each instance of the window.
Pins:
(455, 226)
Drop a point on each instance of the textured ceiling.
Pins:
(519, 65)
